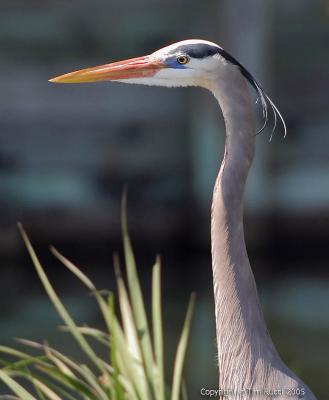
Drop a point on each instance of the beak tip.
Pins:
(54, 80)
(67, 78)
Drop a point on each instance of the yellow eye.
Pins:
(182, 59)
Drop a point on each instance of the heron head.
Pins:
(186, 63)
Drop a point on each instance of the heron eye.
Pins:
(182, 59)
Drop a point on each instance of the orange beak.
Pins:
(139, 67)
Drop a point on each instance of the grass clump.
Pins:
(134, 368)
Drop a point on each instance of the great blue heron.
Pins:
(249, 365)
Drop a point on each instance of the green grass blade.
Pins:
(50, 384)
(96, 334)
(124, 361)
(127, 317)
(63, 368)
(73, 268)
(130, 331)
(158, 329)
(59, 305)
(61, 365)
(26, 373)
(181, 351)
(76, 384)
(24, 363)
(135, 293)
(49, 393)
(117, 389)
(184, 391)
(15, 387)
(39, 392)
(58, 362)
(87, 282)
(93, 382)
(24, 358)
(13, 352)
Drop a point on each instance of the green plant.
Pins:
(134, 369)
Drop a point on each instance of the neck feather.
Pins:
(241, 331)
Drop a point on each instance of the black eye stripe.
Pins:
(197, 50)
(204, 50)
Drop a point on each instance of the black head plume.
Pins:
(262, 95)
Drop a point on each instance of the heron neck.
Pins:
(240, 327)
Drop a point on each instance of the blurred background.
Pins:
(66, 152)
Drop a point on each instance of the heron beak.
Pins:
(139, 67)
